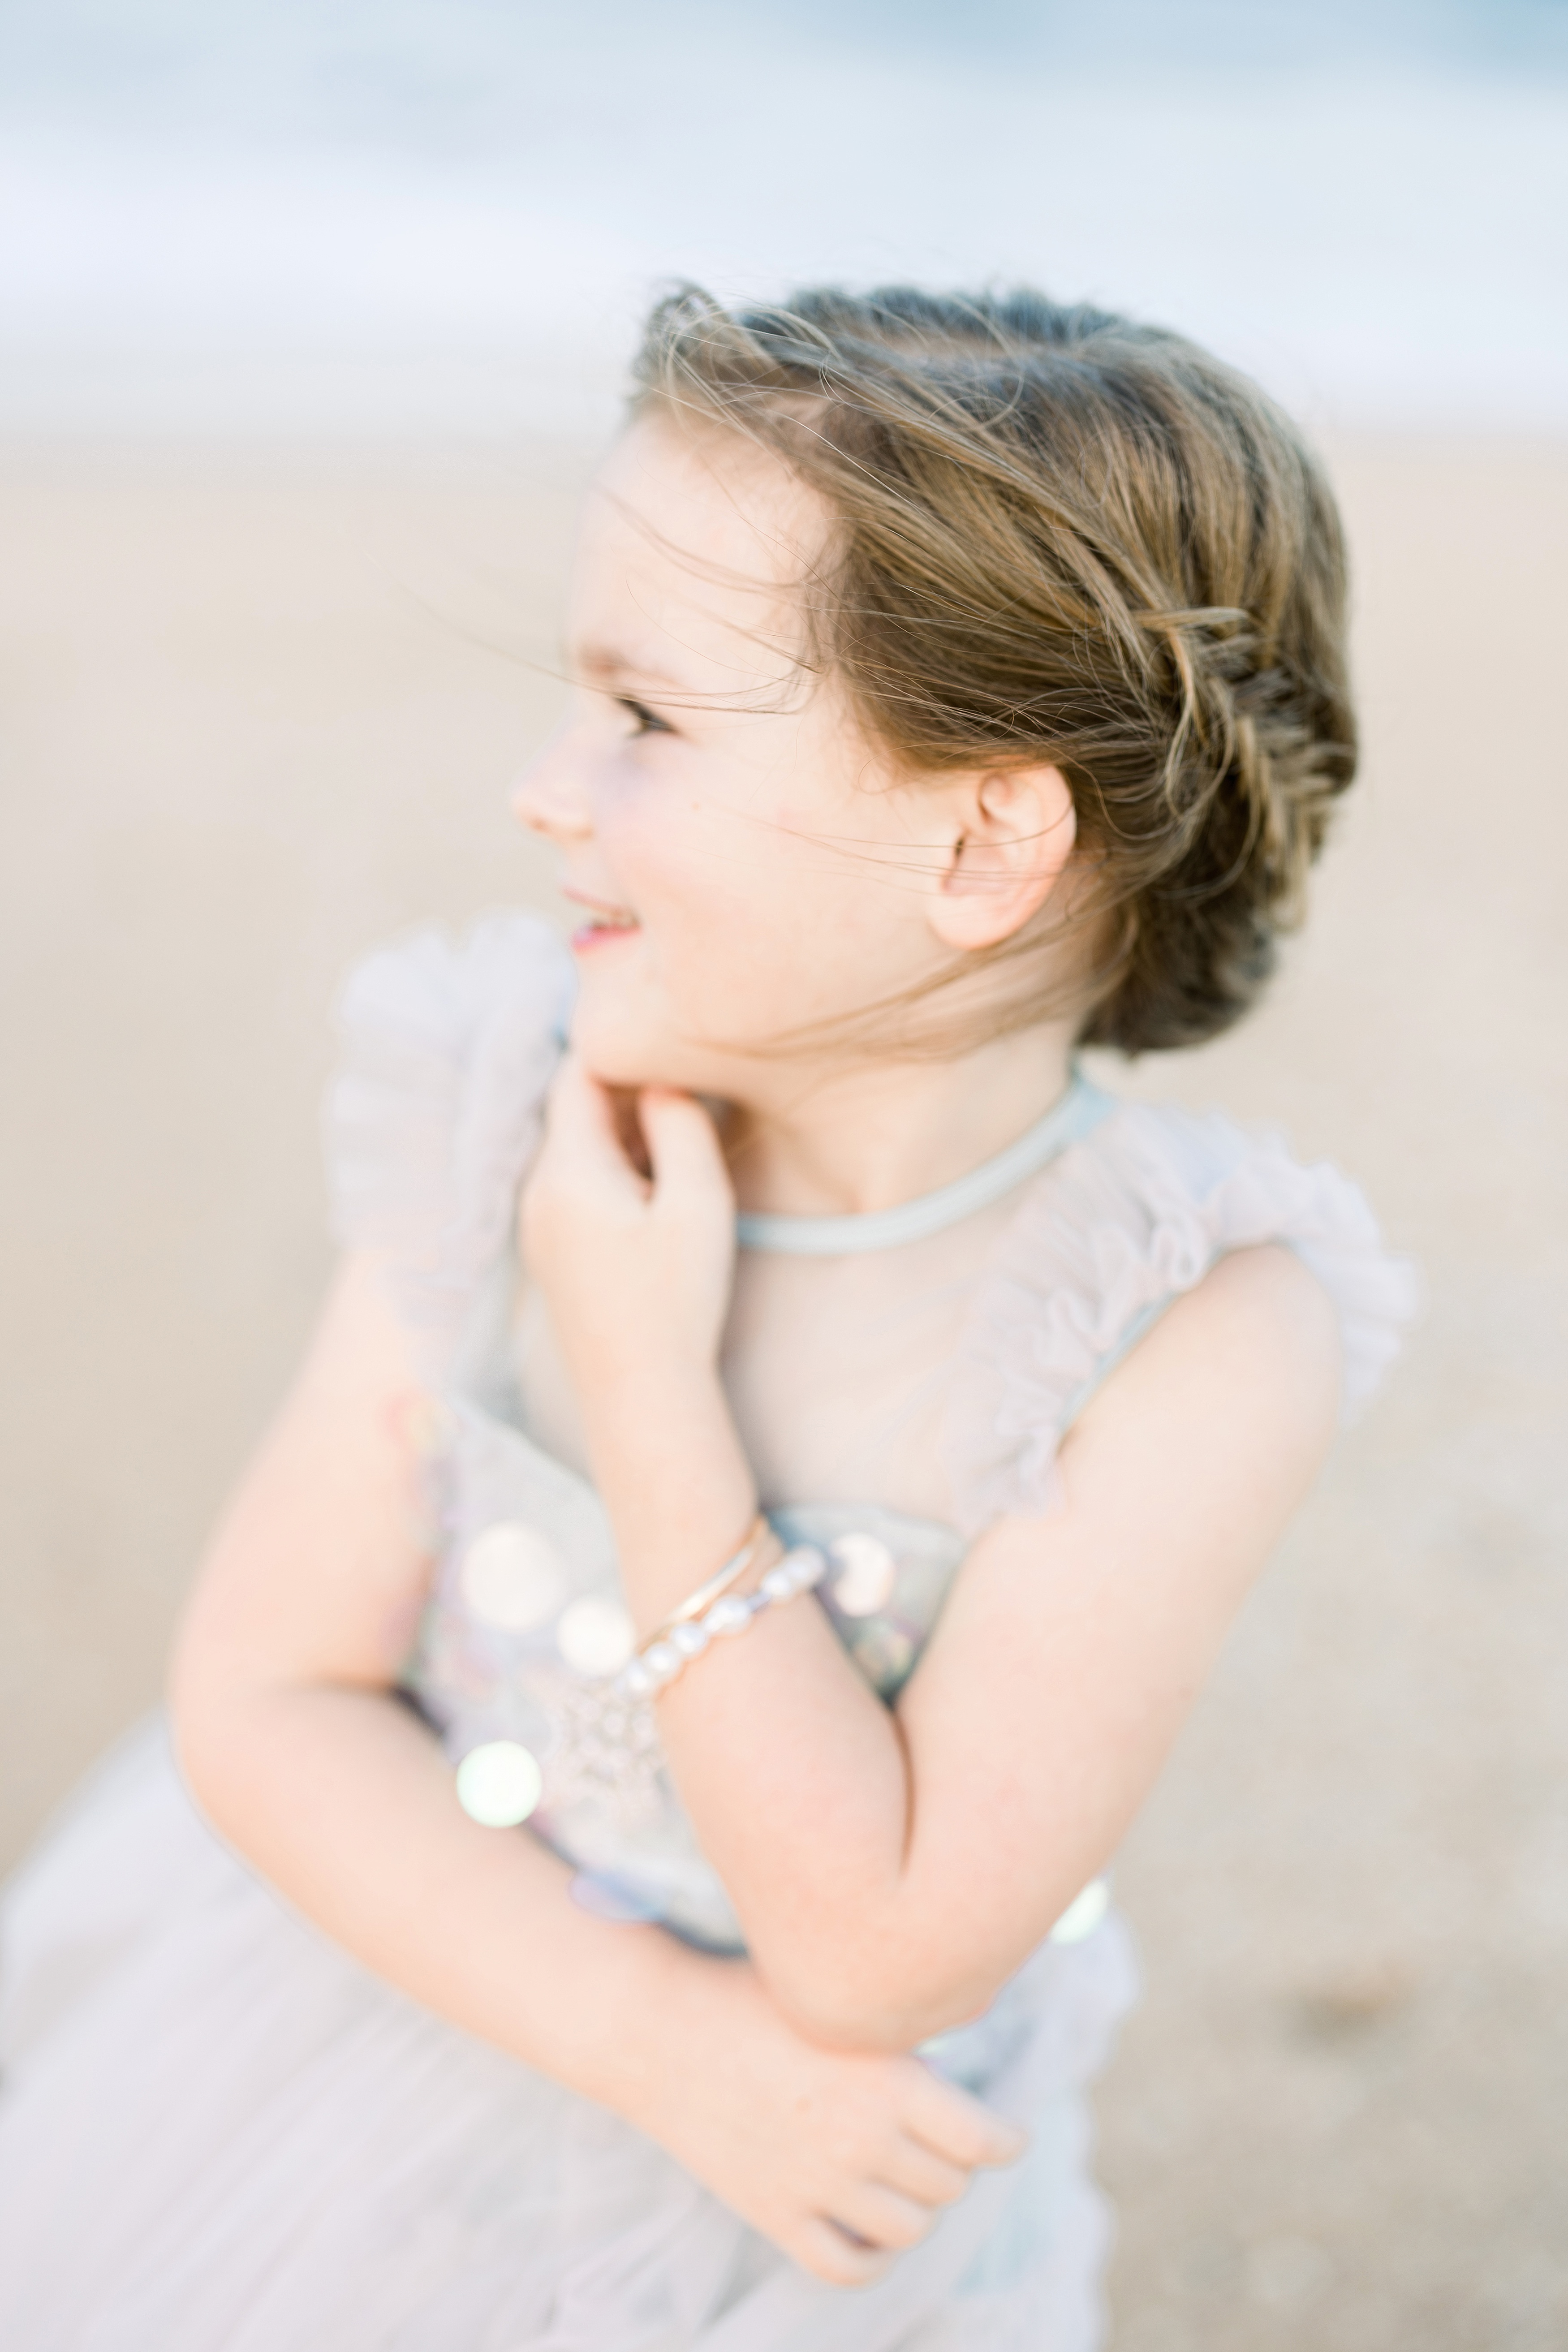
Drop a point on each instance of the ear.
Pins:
(1014, 830)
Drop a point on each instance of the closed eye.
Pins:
(648, 721)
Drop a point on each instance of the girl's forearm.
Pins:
(342, 1799)
(793, 1770)
(675, 1481)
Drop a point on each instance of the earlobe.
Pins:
(1016, 830)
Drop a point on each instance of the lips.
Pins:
(604, 922)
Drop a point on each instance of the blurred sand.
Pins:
(258, 712)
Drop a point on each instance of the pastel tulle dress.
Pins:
(220, 2134)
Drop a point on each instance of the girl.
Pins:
(805, 1597)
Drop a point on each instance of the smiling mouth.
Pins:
(603, 924)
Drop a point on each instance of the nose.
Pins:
(549, 797)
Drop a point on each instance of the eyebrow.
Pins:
(607, 664)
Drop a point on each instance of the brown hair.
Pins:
(1062, 536)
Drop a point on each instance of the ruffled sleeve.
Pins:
(446, 1049)
(1115, 1230)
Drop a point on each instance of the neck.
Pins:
(847, 1140)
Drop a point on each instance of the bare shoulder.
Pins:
(358, 1345)
(1264, 1310)
(1239, 1380)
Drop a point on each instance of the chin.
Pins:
(621, 1050)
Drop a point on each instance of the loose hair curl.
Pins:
(1064, 537)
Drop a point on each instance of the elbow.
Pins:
(890, 2009)
(208, 1724)
(196, 1717)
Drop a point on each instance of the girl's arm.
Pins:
(891, 1869)
(298, 1751)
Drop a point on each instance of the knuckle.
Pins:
(968, 2140)
(861, 2139)
(858, 2265)
(830, 2263)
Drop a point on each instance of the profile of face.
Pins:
(750, 867)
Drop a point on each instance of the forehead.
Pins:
(691, 545)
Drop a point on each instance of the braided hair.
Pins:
(1061, 536)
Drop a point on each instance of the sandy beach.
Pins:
(259, 711)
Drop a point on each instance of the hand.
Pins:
(636, 1267)
(842, 2161)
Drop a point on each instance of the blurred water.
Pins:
(417, 216)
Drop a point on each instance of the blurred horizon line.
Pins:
(445, 219)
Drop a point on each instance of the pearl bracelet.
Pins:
(760, 1538)
(669, 1651)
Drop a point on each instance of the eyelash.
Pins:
(648, 721)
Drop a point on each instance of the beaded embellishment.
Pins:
(605, 1748)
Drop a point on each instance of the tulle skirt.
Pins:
(220, 2134)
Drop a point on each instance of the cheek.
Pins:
(710, 963)
(753, 925)
(703, 877)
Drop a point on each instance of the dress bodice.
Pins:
(526, 1625)
(920, 1370)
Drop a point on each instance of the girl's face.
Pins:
(746, 864)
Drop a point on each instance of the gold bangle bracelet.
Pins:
(697, 1603)
(661, 1659)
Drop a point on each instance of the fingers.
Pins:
(585, 1125)
(829, 2253)
(585, 1119)
(959, 2128)
(917, 2171)
(682, 1143)
(884, 2219)
(587, 1131)
(579, 1110)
